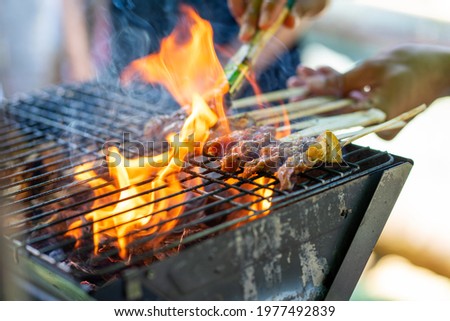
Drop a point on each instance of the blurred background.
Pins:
(45, 42)
(412, 257)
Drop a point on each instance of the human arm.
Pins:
(394, 81)
(261, 14)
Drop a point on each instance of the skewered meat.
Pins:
(159, 127)
(255, 151)
(272, 157)
(240, 142)
(325, 149)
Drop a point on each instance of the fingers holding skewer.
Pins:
(254, 15)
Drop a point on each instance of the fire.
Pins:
(266, 195)
(134, 212)
(145, 195)
(187, 63)
(284, 130)
(259, 204)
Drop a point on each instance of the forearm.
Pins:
(442, 81)
(432, 67)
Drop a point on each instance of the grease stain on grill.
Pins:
(249, 283)
(313, 267)
(261, 244)
(343, 210)
(273, 271)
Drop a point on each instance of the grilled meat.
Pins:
(159, 127)
(244, 143)
(325, 149)
(273, 156)
(255, 151)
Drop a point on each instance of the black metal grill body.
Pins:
(312, 246)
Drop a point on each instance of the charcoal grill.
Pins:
(313, 245)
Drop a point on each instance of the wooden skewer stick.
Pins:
(269, 97)
(300, 125)
(386, 125)
(324, 121)
(295, 110)
(315, 110)
(285, 108)
(359, 118)
(372, 129)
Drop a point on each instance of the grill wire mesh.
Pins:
(47, 134)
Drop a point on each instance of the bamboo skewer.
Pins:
(269, 97)
(294, 111)
(300, 125)
(285, 108)
(304, 112)
(372, 129)
(360, 118)
(390, 124)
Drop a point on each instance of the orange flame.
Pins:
(187, 62)
(285, 129)
(145, 196)
(134, 212)
(259, 204)
(188, 66)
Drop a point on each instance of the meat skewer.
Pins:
(358, 118)
(296, 110)
(256, 149)
(295, 154)
(239, 141)
(159, 127)
(326, 148)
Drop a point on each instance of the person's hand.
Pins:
(261, 14)
(394, 81)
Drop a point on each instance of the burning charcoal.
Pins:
(212, 189)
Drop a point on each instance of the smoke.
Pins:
(138, 26)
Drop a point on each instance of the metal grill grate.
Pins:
(46, 135)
